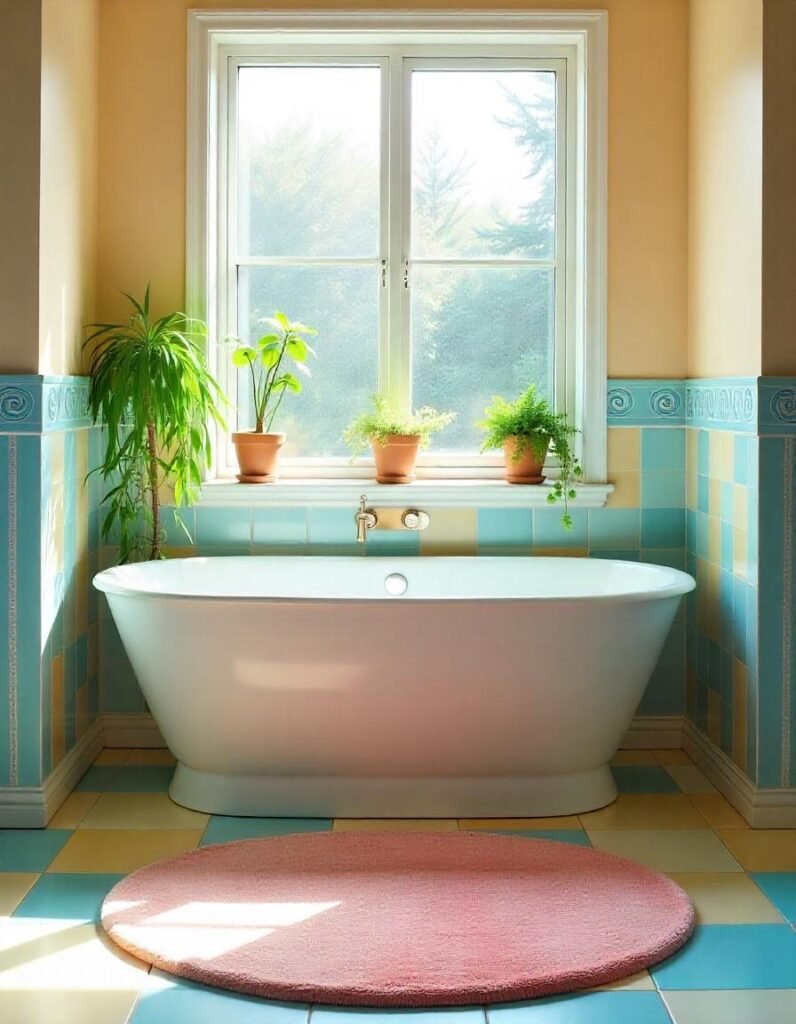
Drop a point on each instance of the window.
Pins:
(422, 195)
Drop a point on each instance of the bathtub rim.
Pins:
(680, 583)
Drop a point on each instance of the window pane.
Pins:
(479, 332)
(483, 163)
(342, 303)
(308, 161)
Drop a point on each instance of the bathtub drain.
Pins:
(395, 584)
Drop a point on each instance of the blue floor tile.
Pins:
(719, 956)
(98, 778)
(30, 849)
(221, 829)
(68, 897)
(780, 887)
(574, 836)
(584, 1008)
(186, 1003)
(142, 778)
(355, 1015)
(643, 779)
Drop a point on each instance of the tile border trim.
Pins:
(35, 404)
(654, 402)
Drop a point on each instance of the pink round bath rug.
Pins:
(398, 918)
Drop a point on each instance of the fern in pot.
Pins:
(526, 429)
(394, 437)
(258, 450)
(153, 393)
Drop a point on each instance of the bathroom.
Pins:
(671, 350)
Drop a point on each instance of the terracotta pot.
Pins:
(528, 468)
(258, 456)
(395, 459)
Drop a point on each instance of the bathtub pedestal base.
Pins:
(368, 797)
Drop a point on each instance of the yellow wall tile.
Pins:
(740, 507)
(56, 441)
(57, 709)
(626, 490)
(450, 532)
(739, 713)
(562, 552)
(714, 539)
(714, 717)
(81, 596)
(691, 449)
(714, 496)
(721, 455)
(714, 601)
(702, 595)
(624, 450)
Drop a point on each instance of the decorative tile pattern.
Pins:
(639, 402)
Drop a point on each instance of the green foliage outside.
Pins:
(153, 393)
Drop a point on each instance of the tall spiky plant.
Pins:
(154, 395)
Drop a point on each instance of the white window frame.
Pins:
(572, 43)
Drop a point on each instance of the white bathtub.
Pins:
(299, 686)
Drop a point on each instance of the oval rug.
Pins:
(398, 918)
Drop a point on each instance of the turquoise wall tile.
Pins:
(674, 558)
(549, 533)
(727, 540)
(332, 530)
(619, 554)
(741, 445)
(703, 452)
(120, 691)
(726, 591)
(662, 528)
(702, 532)
(703, 494)
(662, 449)
(739, 609)
(179, 526)
(690, 531)
(725, 501)
(278, 527)
(398, 542)
(662, 489)
(223, 526)
(614, 528)
(504, 527)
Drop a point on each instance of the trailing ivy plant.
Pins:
(153, 393)
(537, 428)
(382, 422)
(269, 381)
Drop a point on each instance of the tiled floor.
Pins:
(55, 965)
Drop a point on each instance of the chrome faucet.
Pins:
(365, 519)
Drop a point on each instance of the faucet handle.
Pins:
(363, 502)
(415, 519)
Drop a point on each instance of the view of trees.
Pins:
(476, 331)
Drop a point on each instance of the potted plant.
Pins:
(526, 429)
(154, 395)
(394, 438)
(258, 450)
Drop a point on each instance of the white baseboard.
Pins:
(762, 808)
(33, 806)
(135, 730)
(654, 732)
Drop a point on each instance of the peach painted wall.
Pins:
(20, 28)
(141, 226)
(725, 187)
(67, 264)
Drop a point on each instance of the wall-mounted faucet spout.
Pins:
(365, 519)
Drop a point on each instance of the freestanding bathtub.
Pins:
(384, 687)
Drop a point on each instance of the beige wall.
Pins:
(725, 188)
(142, 160)
(20, 28)
(68, 180)
(779, 188)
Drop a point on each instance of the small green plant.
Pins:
(269, 381)
(154, 395)
(382, 421)
(536, 427)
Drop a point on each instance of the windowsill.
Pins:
(429, 493)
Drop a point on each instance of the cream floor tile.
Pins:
(681, 850)
(121, 850)
(673, 756)
(690, 779)
(395, 824)
(633, 757)
(13, 886)
(645, 810)
(141, 810)
(112, 756)
(756, 1006)
(73, 810)
(42, 954)
(490, 824)
(65, 1007)
(718, 812)
(762, 850)
(156, 755)
(641, 982)
(727, 898)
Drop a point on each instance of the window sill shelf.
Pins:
(427, 493)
